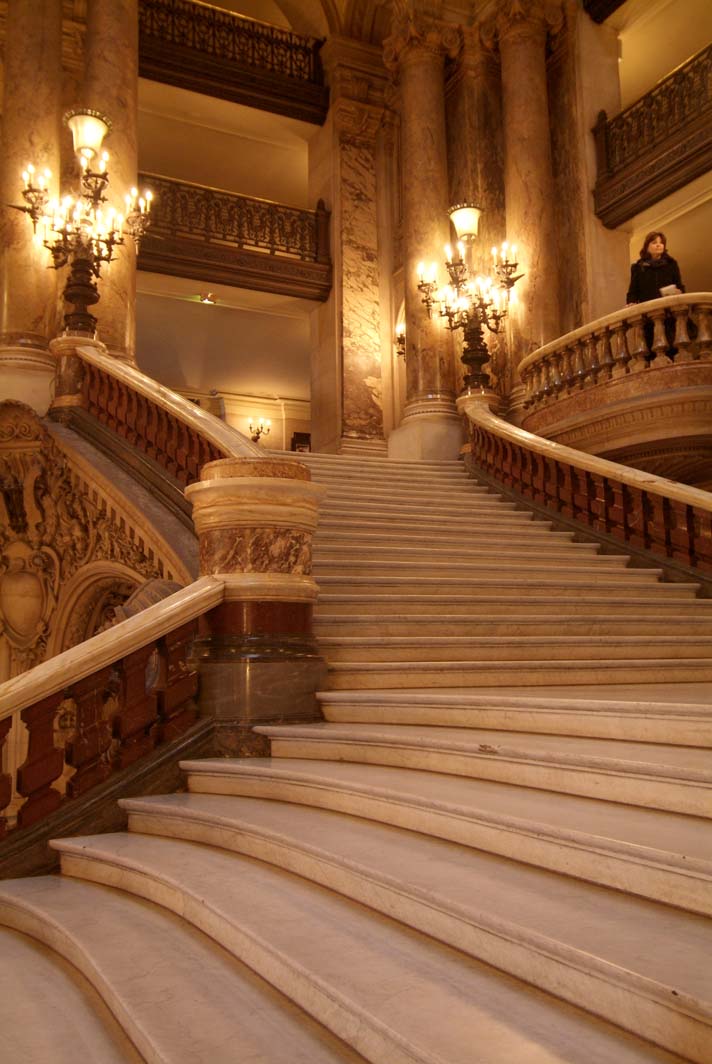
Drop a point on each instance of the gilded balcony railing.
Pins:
(656, 145)
(220, 53)
(209, 233)
(674, 330)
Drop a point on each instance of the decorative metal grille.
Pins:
(206, 214)
(680, 98)
(231, 37)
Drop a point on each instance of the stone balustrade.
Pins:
(75, 720)
(616, 345)
(670, 520)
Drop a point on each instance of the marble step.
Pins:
(373, 982)
(415, 647)
(49, 1013)
(420, 478)
(658, 855)
(637, 718)
(633, 583)
(365, 464)
(366, 675)
(442, 510)
(475, 625)
(553, 544)
(653, 775)
(507, 526)
(466, 568)
(451, 493)
(640, 964)
(178, 995)
(542, 602)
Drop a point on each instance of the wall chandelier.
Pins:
(471, 302)
(80, 230)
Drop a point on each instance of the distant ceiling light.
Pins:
(207, 297)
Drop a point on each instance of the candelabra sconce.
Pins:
(259, 427)
(400, 339)
(470, 302)
(79, 230)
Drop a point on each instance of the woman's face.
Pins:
(656, 247)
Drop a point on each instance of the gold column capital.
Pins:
(416, 37)
(523, 19)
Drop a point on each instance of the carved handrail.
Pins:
(656, 145)
(668, 519)
(196, 212)
(174, 432)
(71, 722)
(228, 36)
(616, 345)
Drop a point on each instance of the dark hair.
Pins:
(644, 253)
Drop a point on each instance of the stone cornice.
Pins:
(357, 120)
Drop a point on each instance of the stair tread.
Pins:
(684, 763)
(152, 965)
(631, 936)
(73, 1020)
(349, 960)
(669, 838)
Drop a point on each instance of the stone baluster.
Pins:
(416, 52)
(619, 350)
(111, 87)
(604, 356)
(659, 345)
(568, 374)
(256, 653)
(30, 134)
(685, 349)
(529, 184)
(637, 348)
(703, 321)
(579, 367)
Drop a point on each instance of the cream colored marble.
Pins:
(248, 502)
(269, 587)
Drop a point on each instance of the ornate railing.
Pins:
(656, 145)
(667, 519)
(633, 340)
(251, 243)
(233, 37)
(220, 53)
(72, 722)
(168, 429)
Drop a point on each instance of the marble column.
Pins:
(348, 348)
(111, 87)
(416, 54)
(529, 184)
(256, 653)
(30, 134)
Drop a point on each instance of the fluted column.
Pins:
(30, 134)
(416, 53)
(111, 86)
(529, 185)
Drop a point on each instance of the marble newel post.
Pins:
(111, 86)
(30, 134)
(256, 654)
(431, 427)
(528, 176)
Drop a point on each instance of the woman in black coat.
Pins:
(655, 270)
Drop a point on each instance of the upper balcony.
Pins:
(657, 145)
(195, 46)
(634, 387)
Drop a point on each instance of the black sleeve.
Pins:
(633, 295)
(677, 279)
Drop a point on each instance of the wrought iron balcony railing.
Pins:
(219, 53)
(657, 145)
(217, 236)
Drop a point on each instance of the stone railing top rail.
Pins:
(627, 312)
(229, 440)
(111, 645)
(479, 412)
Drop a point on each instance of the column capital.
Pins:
(356, 120)
(523, 19)
(415, 37)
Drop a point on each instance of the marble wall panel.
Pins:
(255, 550)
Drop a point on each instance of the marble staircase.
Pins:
(496, 847)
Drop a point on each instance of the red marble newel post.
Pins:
(256, 652)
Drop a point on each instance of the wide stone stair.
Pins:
(496, 847)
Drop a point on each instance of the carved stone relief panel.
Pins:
(50, 531)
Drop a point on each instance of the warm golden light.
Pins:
(88, 131)
(466, 219)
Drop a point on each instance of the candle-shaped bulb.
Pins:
(30, 168)
(461, 249)
(433, 272)
(514, 252)
(494, 256)
(448, 253)
(421, 271)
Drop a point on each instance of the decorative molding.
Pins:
(415, 36)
